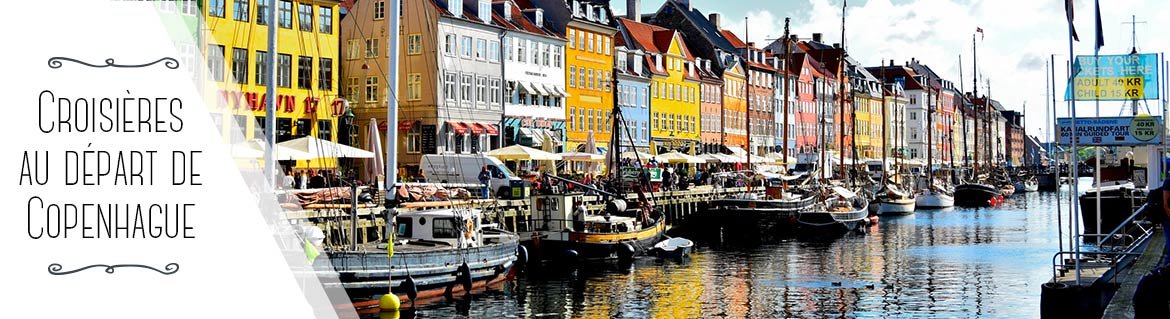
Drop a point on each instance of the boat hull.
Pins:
(975, 195)
(934, 200)
(368, 273)
(820, 220)
(1116, 206)
(592, 247)
(754, 216)
(896, 207)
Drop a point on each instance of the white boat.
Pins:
(893, 201)
(935, 199)
(677, 248)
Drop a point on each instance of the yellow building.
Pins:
(589, 57)
(674, 86)
(306, 68)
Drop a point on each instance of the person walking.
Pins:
(485, 178)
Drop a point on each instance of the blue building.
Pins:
(633, 96)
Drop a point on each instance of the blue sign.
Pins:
(1114, 78)
(1112, 131)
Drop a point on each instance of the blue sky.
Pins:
(1019, 38)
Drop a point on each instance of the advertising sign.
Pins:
(1115, 78)
(630, 174)
(1112, 131)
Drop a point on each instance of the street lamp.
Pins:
(347, 122)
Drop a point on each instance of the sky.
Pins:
(1019, 37)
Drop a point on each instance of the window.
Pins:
(589, 44)
(494, 51)
(445, 227)
(481, 90)
(305, 16)
(449, 84)
(572, 39)
(572, 117)
(607, 46)
(215, 8)
(480, 49)
(285, 17)
(379, 10)
(590, 83)
(325, 130)
(592, 120)
(465, 89)
(556, 57)
(495, 91)
(535, 49)
(372, 89)
(215, 60)
(354, 48)
(414, 86)
(261, 68)
(414, 44)
(465, 45)
(261, 12)
(449, 44)
(305, 72)
(508, 49)
(325, 20)
(413, 141)
(352, 92)
(520, 51)
(325, 77)
(241, 10)
(545, 54)
(581, 40)
(371, 48)
(572, 76)
(188, 7)
(240, 65)
(523, 98)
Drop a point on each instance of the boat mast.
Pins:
(391, 103)
(885, 150)
(930, 137)
(975, 100)
(270, 100)
(747, 90)
(787, 71)
(841, 92)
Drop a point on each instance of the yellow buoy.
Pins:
(390, 315)
(389, 302)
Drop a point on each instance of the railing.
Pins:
(1120, 243)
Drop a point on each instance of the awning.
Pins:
(457, 127)
(490, 129)
(561, 91)
(551, 90)
(532, 136)
(527, 87)
(475, 128)
(406, 125)
(539, 89)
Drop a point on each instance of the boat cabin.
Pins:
(460, 228)
(561, 213)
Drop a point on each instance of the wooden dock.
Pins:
(1121, 307)
(510, 214)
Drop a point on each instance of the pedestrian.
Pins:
(666, 179)
(287, 182)
(485, 178)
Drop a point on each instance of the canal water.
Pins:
(959, 262)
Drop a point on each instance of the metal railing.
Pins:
(1119, 244)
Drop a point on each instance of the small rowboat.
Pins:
(674, 248)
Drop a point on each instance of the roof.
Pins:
(739, 44)
(700, 21)
(520, 21)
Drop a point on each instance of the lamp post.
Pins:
(347, 121)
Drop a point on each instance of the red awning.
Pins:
(406, 125)
(457, 127)
(476, 128)
(491, 129)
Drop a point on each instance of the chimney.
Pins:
(508, 10)
(634, 10)
(891, 62)
(836, 45)
(714, 18)
(817, 37)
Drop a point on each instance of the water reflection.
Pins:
(960, 262)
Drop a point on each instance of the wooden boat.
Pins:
(675, 248)
(775, 211)
(843, 211)
(435, 252)
(935, 198)
(1027, 185)
(1118, 200)
(976, 195)
(559, 231)
(893, 201)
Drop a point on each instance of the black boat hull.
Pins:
(975, 195)
(751, 217)
(1116, 206)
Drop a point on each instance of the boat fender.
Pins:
(521, 255)
(410, 287)
(625, 251)
(463, 277)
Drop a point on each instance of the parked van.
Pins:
(464, 169)
(875, 168)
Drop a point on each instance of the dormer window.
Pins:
(539, 18)
(485, 11)
(601, 15)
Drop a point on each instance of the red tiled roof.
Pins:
(519, 20)
(735, 41)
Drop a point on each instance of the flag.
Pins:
(1068, 12)
(311, 251)
(979, 30)
(1100, 33)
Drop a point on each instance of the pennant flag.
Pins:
(311, 251)
(1068, 12)
(1100, 33)
(979, 30)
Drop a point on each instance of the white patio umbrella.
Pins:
(678, 157)
(522, 153)
(581, 157)
(319, 148)
(636, 155)
(374, 142)
(255, 148)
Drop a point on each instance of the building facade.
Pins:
(710, 108)
(534, 85)
(307, 102)
(674, 86)
(633, 97)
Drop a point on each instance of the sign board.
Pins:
(630, 174)
(1115, 78)
(1112, 131)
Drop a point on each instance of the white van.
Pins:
(464, 169)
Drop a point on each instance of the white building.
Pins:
(534, 75)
